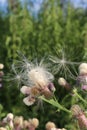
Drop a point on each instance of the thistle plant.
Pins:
(36, 80)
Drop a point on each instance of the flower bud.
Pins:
(26, 124)
(50, 125)
(10, 116)
(1, 66)
(64, 83)
(34, 122)
(18, 121)
(76, 110)
(25, 90)
(83, 68)
(80, 116)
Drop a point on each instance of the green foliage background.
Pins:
(56, 25)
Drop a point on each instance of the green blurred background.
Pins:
(38, 28)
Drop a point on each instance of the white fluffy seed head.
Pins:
(83, 68)
(40, 77)
(62, 81)
(31, 73)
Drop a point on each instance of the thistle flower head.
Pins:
(9, 120)
(18, 121)
(76, 110)
(51, 87)
(26, 124)
(83, 68)
(1, 66)
(9, 116)
(34, 122)
(25, 90)
(80, 116)
(39, 76)
(32, 73)
(62, 81)
(29, 100)
(50, 125)
(84, 87)
(82, 78)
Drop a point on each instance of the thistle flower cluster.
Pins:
(19, 123)
(81, 81)
(36, 81)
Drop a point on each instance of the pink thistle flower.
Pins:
(34, 92)
(9, 120)
(33, 123)
(18, 123)
(80, 116)
(29, 100)
(84, 87)
(82, 78)
(51, 87)
(48, 90)
(82, 120)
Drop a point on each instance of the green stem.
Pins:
(75, 92)
(55, 103)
